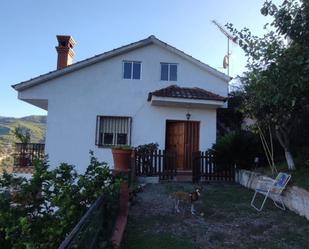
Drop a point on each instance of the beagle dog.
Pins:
(187, 197)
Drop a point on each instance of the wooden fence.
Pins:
(205, 167)
(155, 163)
(25, 153)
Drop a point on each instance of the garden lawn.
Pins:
(227, 221)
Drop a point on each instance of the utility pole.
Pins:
(226, 59)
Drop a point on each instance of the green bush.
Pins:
(238, 148)
(146, 148)
(302, 159)
(40, 211)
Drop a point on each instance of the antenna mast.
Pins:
(226, 59)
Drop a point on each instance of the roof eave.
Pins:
(185, 102)
(81, 64)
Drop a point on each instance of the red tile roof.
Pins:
(175, 91)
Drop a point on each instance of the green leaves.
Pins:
(276, 85)
(39, 212)
(238, 148)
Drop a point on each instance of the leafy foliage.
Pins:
(238, 147)
(277, 81)
(39, 212)
(231, 118)
(145, 148)
(22, 134)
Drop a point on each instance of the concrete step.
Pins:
(183, 176)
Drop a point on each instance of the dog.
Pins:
(187, 197)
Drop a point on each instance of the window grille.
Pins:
(113, 131)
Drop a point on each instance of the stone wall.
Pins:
(296, 199)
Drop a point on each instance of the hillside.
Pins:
(36, 125)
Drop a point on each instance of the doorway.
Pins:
(182, 138)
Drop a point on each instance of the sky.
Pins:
(29, 28)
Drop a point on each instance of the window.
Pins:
(169, 71)
(113, 131)
(132, 70)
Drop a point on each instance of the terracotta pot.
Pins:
(122, 159)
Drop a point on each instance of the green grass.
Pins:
(155, 241)
(278, 228)
(300, 177)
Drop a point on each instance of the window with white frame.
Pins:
(113, 131)
(169, 71)
(132, 70)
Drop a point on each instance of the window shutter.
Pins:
(97, 130)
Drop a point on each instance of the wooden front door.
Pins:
(182, 137)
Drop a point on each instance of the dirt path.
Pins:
(228, 221)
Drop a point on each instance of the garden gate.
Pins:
(205, 168)
(155, 163)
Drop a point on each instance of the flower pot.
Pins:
(122, 159)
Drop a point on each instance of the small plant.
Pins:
(147, 147)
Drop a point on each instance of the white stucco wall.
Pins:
(75, 99)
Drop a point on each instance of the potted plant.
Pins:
(122, 157)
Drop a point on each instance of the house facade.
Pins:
(144, 92)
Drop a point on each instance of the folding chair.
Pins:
(271, 188)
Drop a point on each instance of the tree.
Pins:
(276, 84)
(23, 135)
(231, 118)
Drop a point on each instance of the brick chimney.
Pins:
(65, 51)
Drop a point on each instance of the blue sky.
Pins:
(29, 29)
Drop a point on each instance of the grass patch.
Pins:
(300, 177)
(155, 241)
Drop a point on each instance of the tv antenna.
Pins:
(226, 59)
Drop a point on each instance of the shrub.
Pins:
(145, 148)
(302, 160)
(40, 211)
(238, 148)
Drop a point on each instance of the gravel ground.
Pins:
(224, 220)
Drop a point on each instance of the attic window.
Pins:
(113, 131)
(169, 71)
(132, 70)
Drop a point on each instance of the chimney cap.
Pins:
(65, 50)
(66, 39)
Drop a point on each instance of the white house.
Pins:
(144, 92)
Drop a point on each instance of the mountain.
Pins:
(34, 123)
(35, 119)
